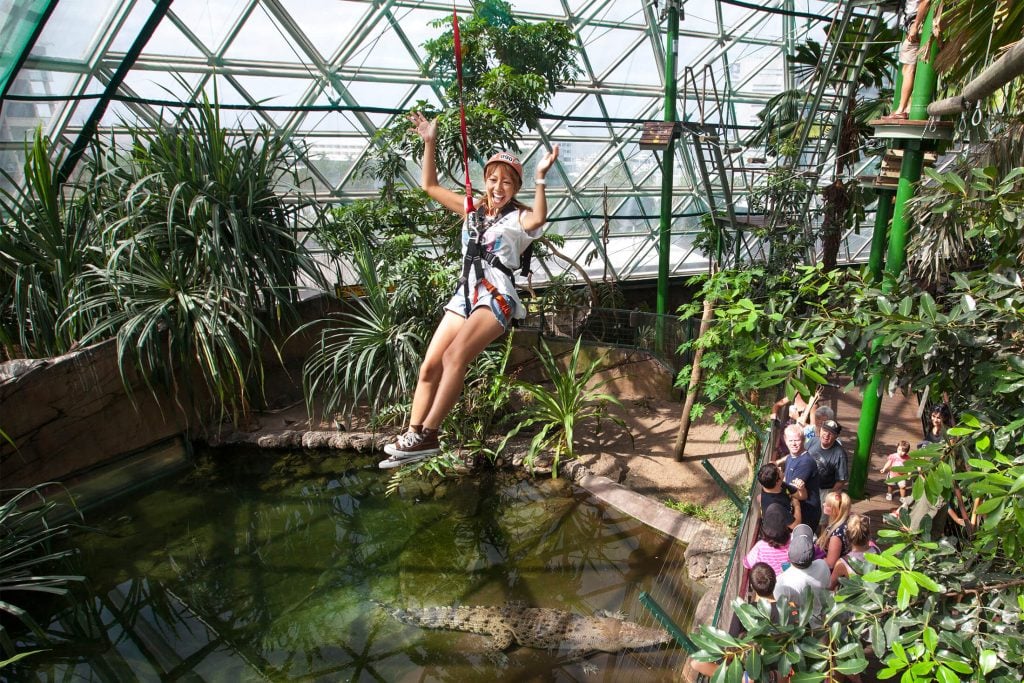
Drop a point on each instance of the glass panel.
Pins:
(334, 157)
(550, 9)
(133, 23)
(73, 28)
(19, 119)
(328, 36)
(166, 40)
(625, 12)
(638, 69)
(604, 46)
(578, 157)
(381, 94)
(260, 38)
(383, 49)
(161, 85)
(209, 20)
(275, 92)
(18, 21)
(416, 25)
(690, 49)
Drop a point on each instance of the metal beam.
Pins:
(89, 129)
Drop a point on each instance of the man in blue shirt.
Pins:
(802, 475)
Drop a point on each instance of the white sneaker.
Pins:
(412, 446)
(888, 496)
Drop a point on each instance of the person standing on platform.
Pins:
(912, 16)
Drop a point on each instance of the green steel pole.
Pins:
(667, 160)
(878, 237)
(910, 173)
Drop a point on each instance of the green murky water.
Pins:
(248, 567)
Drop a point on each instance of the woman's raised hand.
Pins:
(549, 159)
(424, 127)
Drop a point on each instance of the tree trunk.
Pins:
(694, 386)
(579, 269)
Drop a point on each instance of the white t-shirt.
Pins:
(507, 240)
(793, 583)
(910, 11)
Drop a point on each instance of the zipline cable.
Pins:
(462, 109)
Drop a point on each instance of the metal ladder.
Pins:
(831, 91)
(709, 137)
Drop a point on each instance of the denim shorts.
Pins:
(457, 305)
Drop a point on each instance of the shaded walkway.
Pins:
(898, 420)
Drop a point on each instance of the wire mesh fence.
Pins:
(661, 335)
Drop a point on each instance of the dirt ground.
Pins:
(651, 411)
(647, 465)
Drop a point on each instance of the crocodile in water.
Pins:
(537, 627)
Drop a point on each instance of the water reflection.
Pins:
(256, 568)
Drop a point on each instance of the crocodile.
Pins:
(537, 627)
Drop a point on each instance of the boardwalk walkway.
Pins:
(898, 420)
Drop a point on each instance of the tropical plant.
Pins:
(573, 399)
(202, 257)
(964, 217)
(974, 33)
(33, 562)
(48, 239)
(930, 612)
(510, 71)
(371, 353)
(485, 405)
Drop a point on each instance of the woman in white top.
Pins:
(482, 309)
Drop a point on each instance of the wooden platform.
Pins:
(912, 129)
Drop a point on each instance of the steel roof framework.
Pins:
(300, 58)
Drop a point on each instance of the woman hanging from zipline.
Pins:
(494, 236)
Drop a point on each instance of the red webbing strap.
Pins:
(462, 110)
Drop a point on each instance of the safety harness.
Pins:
(477, 223)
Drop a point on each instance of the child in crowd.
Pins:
(773, 546)
(939, 420)
(775, 490)
(833, 541)
(762, 580)
(858, 534)
(897, 459)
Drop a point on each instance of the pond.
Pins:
(254, 567)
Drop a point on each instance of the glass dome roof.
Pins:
(331, 72)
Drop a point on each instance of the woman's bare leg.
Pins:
(432, 366)
(479, 330)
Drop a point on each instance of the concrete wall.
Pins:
(630, 374)
(71, 413)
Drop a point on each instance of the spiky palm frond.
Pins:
(573, 399)
(48, 237)
(32, 561)
(372, 352)
(974, 33)
(202, 255)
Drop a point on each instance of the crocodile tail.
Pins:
(427, 617)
